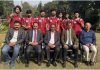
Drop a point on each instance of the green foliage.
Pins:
(3, 26)
(37, 10)
(50, 5)
(26, 6)
(36, 13)
(39, 6)
(88, 9)
(6, 7)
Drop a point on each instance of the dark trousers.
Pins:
(37, 50)
(55, 53)
(75, 52)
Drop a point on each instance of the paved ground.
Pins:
(68, 66)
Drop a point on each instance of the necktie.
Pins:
(69, 37)
(34, 36)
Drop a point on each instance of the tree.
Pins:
(89, 10)
(50, 5)
(39, 6)
(1, 8)
(60, 6)
(6, 7)
(26, 6)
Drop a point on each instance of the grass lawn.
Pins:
(43, 66)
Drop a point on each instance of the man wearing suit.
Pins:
(34, 40)
(69, 41)
(52, 41)
(14, 37)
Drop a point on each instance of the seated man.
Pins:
(69, 41)
(52, 41)
(88, 40)
(14, 37)
(34, 40)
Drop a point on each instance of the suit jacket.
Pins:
(29, 37)
(64, 37)
(10, 33)
(48, 37)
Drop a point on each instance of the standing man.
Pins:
(52, 41)
(78, 24)
(14, 38)
(34, 40)
(88, 40)
(53, 20)
(15, 16)
(60, 19)
(42, 21)
(65, 20)
(69, 41)
(27, 21)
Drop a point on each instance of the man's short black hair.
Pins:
(53, 10)
(35, 22)
(29, 11)
(42, 10)
(76, 12)
(17, 7)
(17, 22)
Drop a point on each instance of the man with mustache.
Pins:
(14, 37)
(34, 40)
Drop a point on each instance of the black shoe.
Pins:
(64, 65)
(75, 65)
(54, 63)
(39, 63)
(48, 64)
(91, 63)
(27, 65)
(87, 63)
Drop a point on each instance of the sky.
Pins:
(31, 2)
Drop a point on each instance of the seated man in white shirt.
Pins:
(14, 37)
(52, 41)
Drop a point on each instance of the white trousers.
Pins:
(94, 52)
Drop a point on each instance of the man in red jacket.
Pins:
(28, 21)
(66, 20)
(15, 16)
(42, 21)
(78, 24)
(54, 20)
(60, 19)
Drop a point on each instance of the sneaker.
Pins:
(12, 66)
(91, 63)
(39, 63)
(54, 63)
(7, 62)
(26, 65)
(64, 65)
(87, 63)
(48, 64)
(75, 65)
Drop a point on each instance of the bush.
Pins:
(3, 26)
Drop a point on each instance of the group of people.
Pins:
(52, 31)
